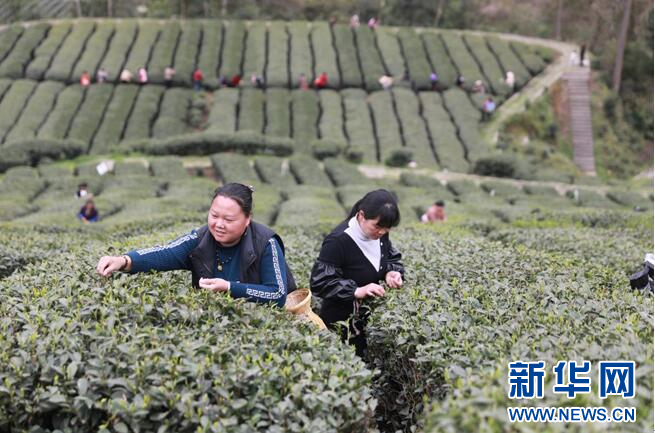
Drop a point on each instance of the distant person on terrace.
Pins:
(321, 81)
(197, 79)
(102, 75)
(88, 213)
(85, 79)
(126, 76)
(354, 258)
(488, 108)
(435, 213)
(169, 74)
(232, 254)
(302, 82)
(143, 76)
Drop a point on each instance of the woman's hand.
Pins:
(214, 284)
(394, 279)
(371, 289)
(107, 265)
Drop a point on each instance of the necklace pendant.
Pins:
(220, 266)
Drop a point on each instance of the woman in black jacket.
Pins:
(354, 258)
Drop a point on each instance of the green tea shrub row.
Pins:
(32, 151)
(13, 66)
(119, 48)
(71, 50)
(173, 112)
(255, 55)
(144, 113)
(447, 145)
(278, 102)
(89, 116)
(223, 115)
(277, 70)
(94, 51)
(417, 64)
(386, 123)
(509, 60)
(300, 61)
(308, 171)
(347, 55)
(415, 133)
(35, 112)
(325, 56)
(12, 104)
(446, 71)
(210, 51)
(251, 110)
(372, 67)
(531, 60)
(274, 171)
(44, 53)
(231, 167)
(164, 52)
(466, 117)
(63, 112)
(490, 67)
(210, 142)
(142, 47)
(304, 106)
(342, 173)
(390, 51)
(461, 58)
(168, 166)
(331, 125)
(359, 125)
(234, 34)
(113, 123)
(8, 39)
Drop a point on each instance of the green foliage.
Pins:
(372, 67)
(588, 198)
(119, 48)
(325, 56)
(450, 151)
(417, 65)
(35, 112)
(231, 167)
(322, 149)
(8, 39)
(462, 59)
(94, 51)
(331, 123)
(143, 45)
(509, 60)
(466, 118)
(359, 125)
(342, 173)
(300, 55)
(386, 124)
(414, 128)
(498, 165)
(164, 51)
(390, 51)
(144, 113)
(223, 115)
(255, 55)
(439, 59)
(209, 142)
(113, 124)
(210, 51)
(277, 112)
(173, 112)
(61, 116)
(308, 172)
(89, 116)
(44, 53)
(347, 55)
(30, 152)
(251, 110)
(12, 104)
(629, 198)
(274, 171)
(15, 63)
(304, 106)
(277, 70)
(530, 59)
(61, 67)
(399, 158)
(234, 33)
(168, 166)
(491, 69)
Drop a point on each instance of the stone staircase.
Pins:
(577, 83)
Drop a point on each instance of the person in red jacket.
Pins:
(85, 79)
(321, 81)
(236, 79)
(197, 79)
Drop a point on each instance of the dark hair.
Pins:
(379, 203)
(240, 193)
(440, 203)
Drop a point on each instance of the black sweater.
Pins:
(342, 267)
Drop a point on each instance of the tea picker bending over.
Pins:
(231, 254)
(352, 261)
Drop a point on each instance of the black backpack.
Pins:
(643, 278)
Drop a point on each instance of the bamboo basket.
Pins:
(299, 302)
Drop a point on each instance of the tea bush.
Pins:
(44, 52)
